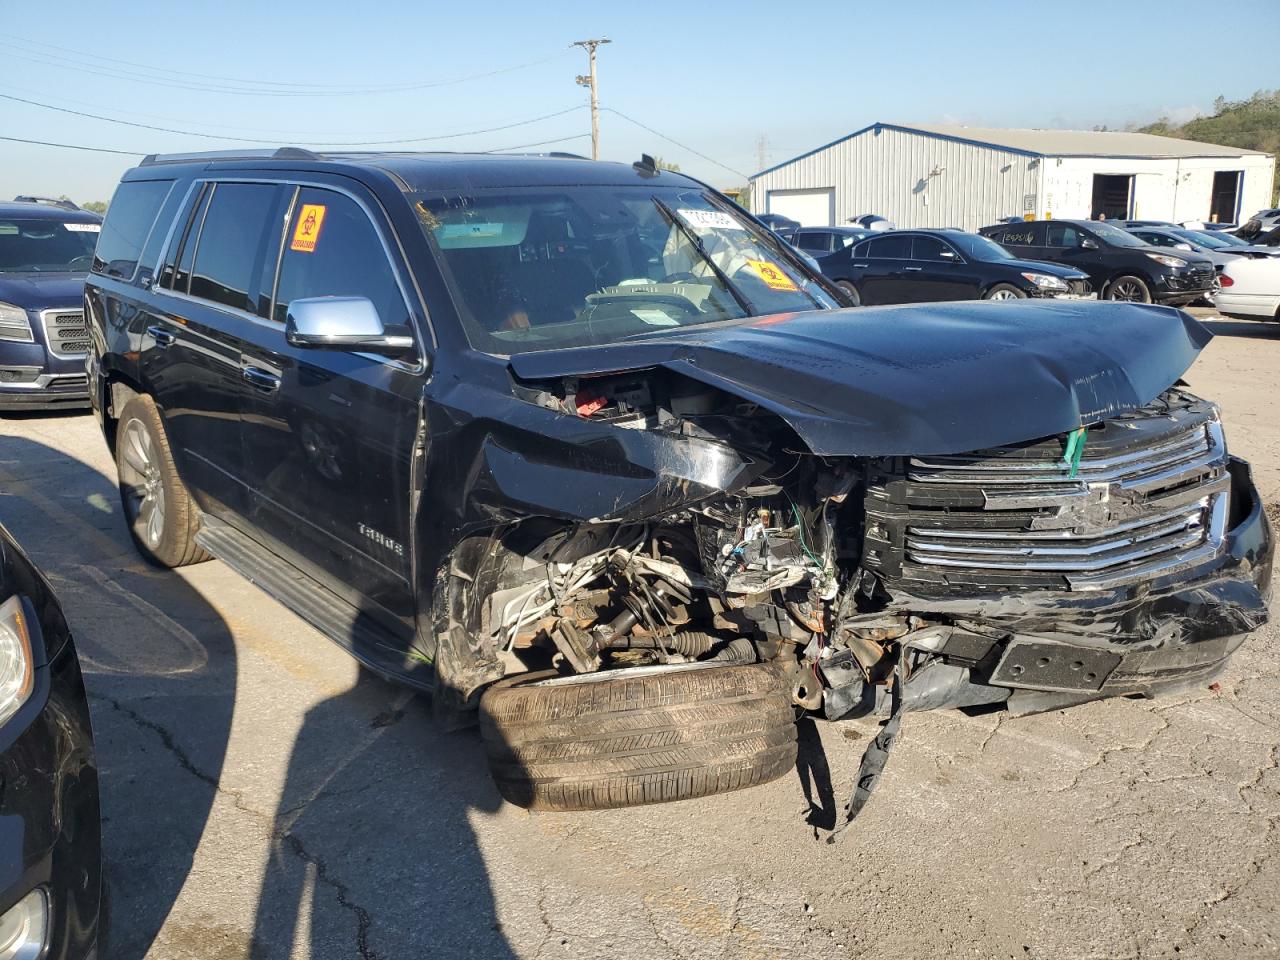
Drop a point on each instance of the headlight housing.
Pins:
(24, 928)
(1167, 261)
(14, 324)
(17, 676)
(1046, 282)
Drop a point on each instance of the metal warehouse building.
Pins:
(968, 177)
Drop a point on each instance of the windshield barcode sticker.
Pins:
(710, 220)
(83, 227)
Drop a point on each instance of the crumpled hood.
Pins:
(915, 379)
(42, 291)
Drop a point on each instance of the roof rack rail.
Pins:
(277, 153)
(64, 204)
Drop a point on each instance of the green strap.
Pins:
(1075, 450)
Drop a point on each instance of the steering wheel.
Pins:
(76, 261)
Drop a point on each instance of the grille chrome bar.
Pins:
(66, 333)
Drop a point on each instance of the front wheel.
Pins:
(161, 516)
(1004, 291)
(1129, 289)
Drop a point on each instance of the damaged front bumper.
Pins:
(1147, 638)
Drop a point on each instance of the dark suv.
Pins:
(583, 447)
(1120, 266)
(46, 247)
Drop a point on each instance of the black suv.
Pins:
(817, 242)
(585, 448)
(46, 247)
(1120, 265)
(918, 266)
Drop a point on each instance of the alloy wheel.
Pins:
(144, 486)
(1128, 290)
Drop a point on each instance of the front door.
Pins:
(942, 274)
(329, 434)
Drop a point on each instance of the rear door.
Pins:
(328, 434)
(884, 269)
(190, 351)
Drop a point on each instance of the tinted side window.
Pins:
(1063, 235)
(232, 241)
(1157, 239)
(129, 220)
(332, 249)
(1021, 235)
(862, 250)
(814, 242)
(183, 242)
(891, 248)
(928, 248)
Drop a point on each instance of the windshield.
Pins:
(538, 268)
(30, 246)
(1201, 239)
(1223, 239)
(1115, 236)
(979, 248)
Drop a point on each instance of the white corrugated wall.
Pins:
(889, 173)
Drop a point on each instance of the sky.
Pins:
(708, 80)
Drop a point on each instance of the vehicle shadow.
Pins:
(1255, 329)
(160, 671)
(374, 854)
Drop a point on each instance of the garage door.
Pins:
(813, 208)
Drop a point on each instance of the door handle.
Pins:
(161, 336)
(260, 379)
(912, 269)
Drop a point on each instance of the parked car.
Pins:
(51, 903)
(1119, 265)
(582, 450)
(1250, 289)
(916, 266)
(820, 241)
(1130, 224)
(45, 251)
(1215, 226)
(778, 223)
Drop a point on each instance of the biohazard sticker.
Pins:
(773, 277)
(307, 230)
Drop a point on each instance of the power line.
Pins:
(301, 143)
(682, 146)
(101, 70)
(540, 143)
(73, 146)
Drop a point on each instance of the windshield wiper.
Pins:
(743, 303)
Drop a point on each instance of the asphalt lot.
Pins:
(264, 798)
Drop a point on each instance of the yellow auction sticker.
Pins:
(773, 277)
(307, 230)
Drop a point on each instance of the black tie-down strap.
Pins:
(877, 752)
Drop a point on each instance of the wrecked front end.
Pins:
(679, 521)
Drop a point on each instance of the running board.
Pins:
(375, 646)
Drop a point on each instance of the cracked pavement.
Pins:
(264, 798)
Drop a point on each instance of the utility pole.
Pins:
(590, 81)
(762, 151)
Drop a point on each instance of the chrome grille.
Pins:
(1153, 495)
(66, 332)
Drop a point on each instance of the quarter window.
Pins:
(232, 244)
(1063, 235)
(331, 249)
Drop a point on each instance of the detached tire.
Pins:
(161, 516)
(646, 735)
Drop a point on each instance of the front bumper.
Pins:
(32, 379)
(1181, 287)
(50, 833)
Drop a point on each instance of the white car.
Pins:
(1250, 289)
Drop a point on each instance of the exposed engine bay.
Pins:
(1009, 574)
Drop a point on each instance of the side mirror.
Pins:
(340, 323)
(949, 256)
(1087, 244)
(1183, 246)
